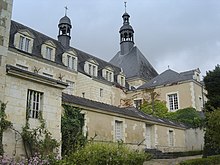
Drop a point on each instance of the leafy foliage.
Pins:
(212, 134)
(38, 140)
(212, 160)
(160, 109)
(212, 85)
(212, 107)
(106, 153)
(72, 123)
(188, 116)
(4, 124)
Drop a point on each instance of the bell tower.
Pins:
(64, 30)
(126, 34)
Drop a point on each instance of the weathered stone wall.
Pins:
(194, 139)
(162, 139)
(16, 97)
(135, 133)
(91, 89)
(5, 21)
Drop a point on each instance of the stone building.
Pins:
(38, 74)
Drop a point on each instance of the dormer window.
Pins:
(48, 50)
(71, 62)
(121, 80)
(108, 74)
(91, 67)
(69, 59)
(24, 43)
(49, 53)
(24, 40)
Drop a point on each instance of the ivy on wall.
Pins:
(4, 124)
(72, 123)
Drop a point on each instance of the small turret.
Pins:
(64, 31)
(126, 34)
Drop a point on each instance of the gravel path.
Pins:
(170, 161)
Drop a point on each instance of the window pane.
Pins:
(27, 44)
(34, 102)
(21, 42)
(48, 53)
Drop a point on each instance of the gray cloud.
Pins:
(184, 34)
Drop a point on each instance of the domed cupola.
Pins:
(64, 31)
(126, 35)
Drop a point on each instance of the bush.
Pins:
(103, 153)
(212, 160)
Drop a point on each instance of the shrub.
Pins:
(212, 160)
(103, 153)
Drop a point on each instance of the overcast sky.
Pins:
(184, 34)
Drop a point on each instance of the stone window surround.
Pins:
(124, 126)
(91, 68)
(168, 101)
(171, 137)
(121, 80)
(108, 74)
(46, 47)
(27, 36)
(135, 102)
(34, 103)
(71, 55)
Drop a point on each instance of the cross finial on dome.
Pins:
(125, 5)
(66, 8)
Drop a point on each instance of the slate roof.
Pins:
(130, 112)
(168, 77)
(134, 65)
(40, 38)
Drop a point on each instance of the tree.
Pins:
(157, 108)
(212, 108)
(212, 85)
(72, 123)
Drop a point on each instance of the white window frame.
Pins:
(24, 43)
(34, 103)
(23, 40)
(121, 80)
(49, 53)
(71, 62)
(119, 130)
(171, 104)
(91, 68)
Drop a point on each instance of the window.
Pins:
(93, 70)
(34, 103)
(24, 43)
(49, 53)
(101, 92)
(108, 76)
(90, 69)
(70, 87)
(122, 81)
(173, 102)
(118, 130)
(171, 139)
(71, 62)
(137, 103)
